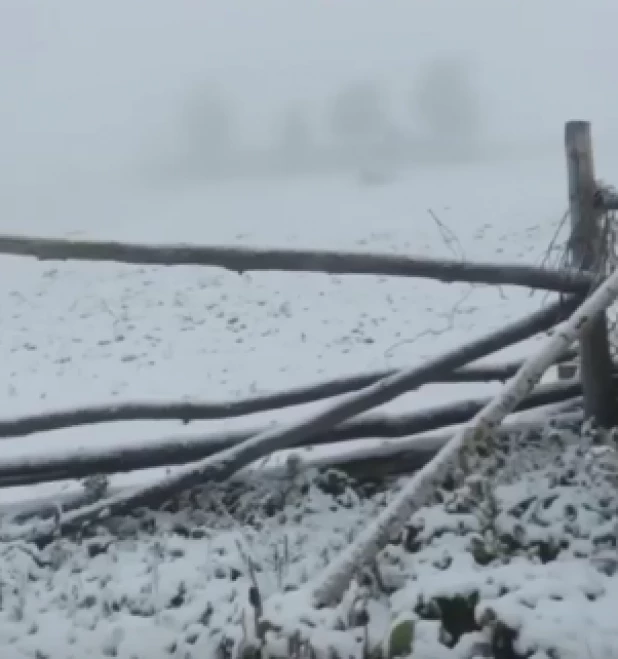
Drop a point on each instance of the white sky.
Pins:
(86, 85)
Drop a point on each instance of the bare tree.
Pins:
(359, 114)
(208, 126)
(294, 139)
(446, 101)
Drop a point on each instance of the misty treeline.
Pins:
(362, 126)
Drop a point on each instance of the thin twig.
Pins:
(449, 237)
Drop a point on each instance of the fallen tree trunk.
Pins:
(406, 456)
(475, 435)
(224, 464)
(244, 259)
(187, 411)
(367, 462)
(175, 451)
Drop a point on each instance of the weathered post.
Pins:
(586, 250)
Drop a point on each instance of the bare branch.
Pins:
(449, 325)
(181, 450)
(187, 411)
(449, 237)
(243, 259)
(554, 246)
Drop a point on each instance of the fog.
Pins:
(115, 91)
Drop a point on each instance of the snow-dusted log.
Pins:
(365, 461)
(407, 455)
(174, 451)
(244, 259)
(187, 411)
(225, 463)
(178, 450)
(477, 433)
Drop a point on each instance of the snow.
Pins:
(525, 562)
(80, 333)
(183, 577)
(110, 332)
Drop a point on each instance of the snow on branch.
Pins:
(475, 435)
(243, 259)
(225, 463)
(81, 463)
(365, 461)
(187, 411)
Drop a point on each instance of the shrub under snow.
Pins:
(516, 564)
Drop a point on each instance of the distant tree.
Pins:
(358, 113)
(209, 125)
(294, 139)
(447, 102)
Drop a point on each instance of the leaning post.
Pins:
(586, 252)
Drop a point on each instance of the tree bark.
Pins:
(221, 466)
(244, 259)
(588, 251)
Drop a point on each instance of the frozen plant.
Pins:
(96, 486)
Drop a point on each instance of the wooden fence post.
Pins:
(585, 248)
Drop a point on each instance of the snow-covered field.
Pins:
(84, 333)
(176, 584)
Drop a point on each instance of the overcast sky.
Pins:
(90, 85)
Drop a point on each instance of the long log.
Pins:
(367, 462)
(245, 259)
(187, 411)
(175, 451)
(377, 460)
(477, 433)
(224, 464)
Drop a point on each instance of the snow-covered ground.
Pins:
(76, 333)
(176, 584)
(101, 105)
